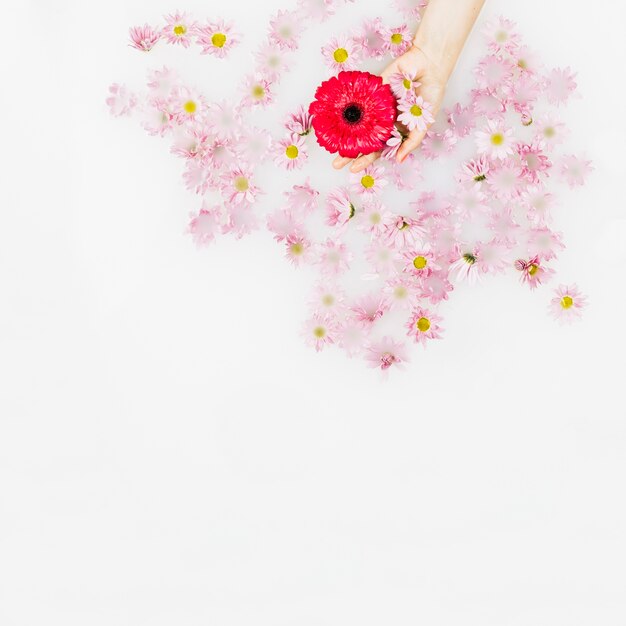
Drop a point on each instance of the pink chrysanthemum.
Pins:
(385, 353)
(179, 29)
(333, 257)
(397, 40)
(574, 170)
(370, 308)
(299, 122)
(121, 101)
(340, 54)
(415, 112)
(285, 29)
(271, 61)
(339, 207)
(144, 37)
(533, 161)
(318, 331)
(533, 272)
(369, 182)
(237, 185)
(290, 152)
(423, 326)
(495, 140)
(217, 38)
(302, 198)
(501, 35)
(353, 114)
(299, 248)
(393, 145)
(560, 85)
(204, 225)
(567, 304)
(258, 91)
(369, 40)
(420, 262)
(403, 84)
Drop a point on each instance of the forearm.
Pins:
(443, 31)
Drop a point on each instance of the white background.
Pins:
(170, 451)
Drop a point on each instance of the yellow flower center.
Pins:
(328, 300)
(522, 64)
(423, 324)
(400, 292)
(180, 30)
(406, 83)
(497, 139)
(190, 107)
(319, 332)
(367, 181)
(396, 39)
(218, 40)
(292, 152)
(501, 36)
(375, 218)
(241, 184)
(549, 132)
(533, 269)
(567, 302)
(296, 248)
(420, 262)
(416, 110)
(258, 92)
(340, 55)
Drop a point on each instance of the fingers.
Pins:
(340, 162)
(413, 141)
(363, 161)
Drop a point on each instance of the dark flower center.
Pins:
(352, 113)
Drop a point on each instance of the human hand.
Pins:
(416, 64)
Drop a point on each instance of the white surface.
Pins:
(170, 452)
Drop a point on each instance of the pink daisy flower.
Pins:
(401, 292)
(339, 207)
(550, 130)
(225, 119)
(461, 120)
(411, 9)
(545, 242)
(420, 262)
(333, 257)
(271, 61)
(371, 181)
(575, 170)
(373, 216)
(474, 172)
(386, 353)
(179, 29)
(505, 180)
(204, 225)
(423, 326)
(285, 29)
(415, 112)
(501, 35)
(302, 198)
(328, 298)
(496, 141)
(567, 304)
(290, 152)
(237, 185)
(253, 144)
(381, 258)
(397, 40)
(394, 142)
(283, 223)
(494, 73)
(143, 38)
(340, 54)
(466, 267)
(533, 272)
(370, 308)
(299, 249)
(560, 84)
(369, 40)
(436, 287)
(533, 162)
(318, 331)
(299, 122)
(217, 38)
(403, 84)
(402, 231)
(241, 221)
(258, 91)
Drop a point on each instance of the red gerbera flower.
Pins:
(353, 113)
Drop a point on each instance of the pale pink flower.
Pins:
(494, 257)
(423, 325)
(339, 207)
(533, 272)
(271, 61)
(302, 198)
(162, 83)
(220, 154)
(284, 223)
(401, 292)
(407, 174)
(415, 112)
(351, 337)
(257, 91)
(285, 29)
(299, 122)
(328, 298)
(436, 287)
(393, 145)
(318, 331)
(179, 29)
(567, 304)
(290, 152)
(505, 180)
(385, 353)
(373, 216)
(466, 267)
(501, 35)
(120, 101)
(551, 130)
(545, 242)
(188, 104)
(370, 308)
(420, 262)
(527, 60)
(462, 120)
(474, 172)
(253, 144)
(560, 84)
(204, 225)
(299, 248)
(539, 203)
(143, 38)
(494, 73)
(487, 103)
(403, 84)
(397, 40)
(370, 181)
(496, 140)
(533, 161)
(317, 9)
(333, 257)
(575, 170)
(381, 258)
(369, 39)
(401, 231)
(411, 9)
(225, 119)
(340, 54)
(237, 185)
(217, 38)
(242, 220)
